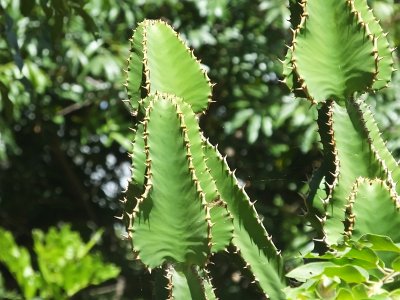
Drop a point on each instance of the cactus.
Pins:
(339, 52)
(183, 203)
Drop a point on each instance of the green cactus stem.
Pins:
(154, 68)
(339, 49)
(188, 283)
(183, 204)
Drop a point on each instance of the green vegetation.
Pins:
(64, 133)
(65, 264)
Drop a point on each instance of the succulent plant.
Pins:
(183, 203)
(338, 52)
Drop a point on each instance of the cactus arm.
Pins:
(134, 71)
(249, 236)
(389, 168)
(220, 217)
(138, 169)
(369, 204)
(171, 219)
(186, 283)
(353, 159)
(385, 61)
(314, 202)
(153, 69)
(334, 53)
(353, 149)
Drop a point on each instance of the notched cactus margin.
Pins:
(187, 283)
(371, 203)
(183, 203)
(353, 151)
(171, 220)
(153, 68)
(339, 49)
(389, 168)
(138, 170)
(221, 219)
(250, 238)
(385, 60)
(333, 53)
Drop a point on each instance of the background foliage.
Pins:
(64, 131)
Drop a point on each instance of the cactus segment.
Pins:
(315, 199)
(369, 204)
(353, 151)
(186, 283)
(389, 168)
(171, 220)
(159, 68)
(134, 71)
(249, 236)
(334, 54)
(385, 61)
(138, 170)
(222, 221)
(353, 159)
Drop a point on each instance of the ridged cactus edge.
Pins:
(183, 204)
(352, 56)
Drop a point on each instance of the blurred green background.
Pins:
(64, 131)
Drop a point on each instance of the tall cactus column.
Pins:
(338, 52)
(183, 203)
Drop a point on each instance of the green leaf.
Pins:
(254, 128)
(65, 263)
(396, 264)
(349, 273)
(364, 257)
(344, 294)
(18, 262)
(379, 243)
(309, 270)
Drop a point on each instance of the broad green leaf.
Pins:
(65, 263)
(18, 262)
(333, 53)
(360, 291)
(365, 257)
(170, 222)
(379, 243)
(309, 270)
(253, 129)
(344, 294)
(396, 264)
(349, 273)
